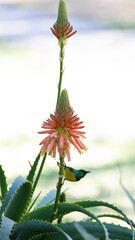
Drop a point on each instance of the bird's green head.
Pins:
(80, 174)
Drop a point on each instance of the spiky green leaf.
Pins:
(89, 204)
(3, 184)
(44, 213)
(49, 198)
(6, 227)
(95, 229)
(16, 184)
(32, 171)
(129, 195)
(33, 202)
(116, 217)
(32, 229)
(39, 172)
(19, 202)
(83, 232)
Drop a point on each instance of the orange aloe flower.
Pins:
(63, 129)
(62, 28)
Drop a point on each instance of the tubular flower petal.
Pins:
(63, 129)
(67, 151)
(62, 28)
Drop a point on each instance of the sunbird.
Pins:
(73, 175)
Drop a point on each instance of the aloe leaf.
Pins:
(33, 169)
(115, 216)
(51, 238)
(6, 227)
(49, 198)
(19, 202)
(32, 204)
(39, 172)
(3, 184)
(31, 229)
(115, 231)
(89, 204)
(44, 213)
(68, 237)
(129, 195)
(83, 232)
(16, 184)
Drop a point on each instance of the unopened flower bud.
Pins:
(62, 28)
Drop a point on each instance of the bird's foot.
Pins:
(58, 164)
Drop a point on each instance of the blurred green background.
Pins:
(99, 75)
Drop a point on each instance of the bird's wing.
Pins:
(69, 174)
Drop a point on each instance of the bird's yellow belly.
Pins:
(70, 176)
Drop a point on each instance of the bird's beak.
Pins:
(88, 171)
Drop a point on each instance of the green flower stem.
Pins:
(61, 71)
(59, 185)
(39, 172)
